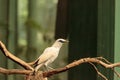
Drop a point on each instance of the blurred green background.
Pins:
(27, 27)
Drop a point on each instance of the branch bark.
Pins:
(78, 62)
(30, 70)
(15, 71)
(59, 70)
(14, 58)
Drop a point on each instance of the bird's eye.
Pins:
(61, 41)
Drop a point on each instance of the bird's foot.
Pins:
(48, 68)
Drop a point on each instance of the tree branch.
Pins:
(14, 71)
(30, 70)
(59, 70)
(14, 58)
(98, 72)
(78, 62)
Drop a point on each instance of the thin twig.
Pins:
(118, 74)
(99, 73)
(106, 61)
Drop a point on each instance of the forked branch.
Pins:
(14, 58)
(30, 70)
(79, 62)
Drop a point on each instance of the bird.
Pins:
(49, 54)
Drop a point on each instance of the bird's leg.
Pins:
(45, 66)
(38, 67)
(35, 70)
(48, 67)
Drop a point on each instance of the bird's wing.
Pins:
(47, 54)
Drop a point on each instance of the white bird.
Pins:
(49, 54)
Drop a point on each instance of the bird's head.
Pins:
(59, 42)
(62, 40)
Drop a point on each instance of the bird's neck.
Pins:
(57, 45)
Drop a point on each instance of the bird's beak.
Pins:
(66, 41)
